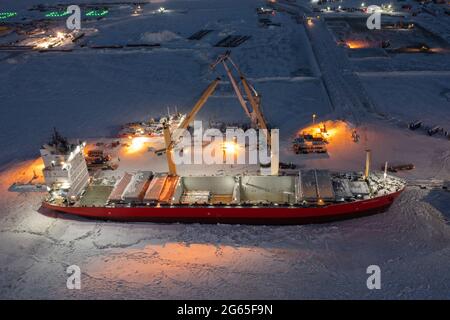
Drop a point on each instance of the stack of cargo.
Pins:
(197, 196)
(137, 187)
(119, 188)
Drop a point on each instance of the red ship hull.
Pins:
(237, 215)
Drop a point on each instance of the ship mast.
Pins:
(367, 168)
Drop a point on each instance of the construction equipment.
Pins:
(311, 140)
(415, 125)
(432, 131)
(255, 114)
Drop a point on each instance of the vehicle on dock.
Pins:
(311, 140)
(152, 127)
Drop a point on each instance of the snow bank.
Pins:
(159, 37)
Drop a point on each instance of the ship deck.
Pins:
(308, 188)
(95, 196)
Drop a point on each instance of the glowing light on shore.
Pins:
(137, 144)
(331, 132)
(357, 44)
(51, 41)
(327, 130)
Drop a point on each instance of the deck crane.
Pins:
(171, 139)
(253, 97)
(255, 115)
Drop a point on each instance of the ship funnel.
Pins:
(367, 169)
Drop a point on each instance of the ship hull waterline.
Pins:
(233, 215)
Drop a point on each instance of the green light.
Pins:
(97, 13)
(6, 15)
(57, 14)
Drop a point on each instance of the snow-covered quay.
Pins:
(300, 68)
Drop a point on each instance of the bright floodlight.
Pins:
(137, 144)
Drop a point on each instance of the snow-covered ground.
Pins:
(89, 93)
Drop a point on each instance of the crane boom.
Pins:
(250, 92)
(223, 59)
(255, 105)
(171, 139)
(236, 89)
(198, 105)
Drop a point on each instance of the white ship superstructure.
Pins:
(65, 170)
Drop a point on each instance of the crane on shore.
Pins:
(255, 114)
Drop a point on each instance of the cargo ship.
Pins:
(311, 196)
(303, 196)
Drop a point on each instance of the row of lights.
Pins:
(57, 14)
(60, 14)
(92, 13)
(6, 15)
(97, 13)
